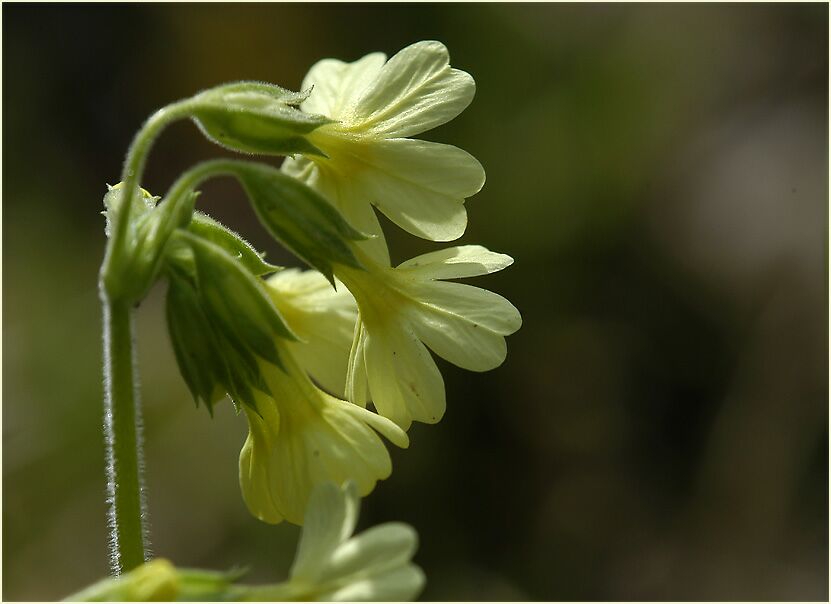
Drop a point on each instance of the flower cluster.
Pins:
(360, 328)
(303, 353)
(318, 346)
(374, 104)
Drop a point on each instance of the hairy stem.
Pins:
(122, 413)
(131, 174)
(200, 173)
(123, 440)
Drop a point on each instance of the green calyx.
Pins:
(159, 581)
(221, 321)
(209, 229)
(254, 117)
(299, 217)
(149, 227)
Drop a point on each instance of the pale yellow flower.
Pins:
(402, 309)
(419, 185)
(322, 317)
(301, 437)
(332, 565)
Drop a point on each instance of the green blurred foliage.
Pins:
(659, 172)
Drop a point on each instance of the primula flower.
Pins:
(401, 309)
(331, 565)
(419, 185)
(323, 318)
(301, 437)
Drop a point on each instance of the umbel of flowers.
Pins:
(325, 364)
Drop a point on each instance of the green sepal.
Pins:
(242, 371)
(159, 580)
(153, 231)
(207, 228)
(278, 93)
(236, 318)
(299, 217)
(148, 232)
(198, 585)
(112, 203)
(236, 298)
(195, 346)
(253, 117)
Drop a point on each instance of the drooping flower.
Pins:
(230, 336)
(332, 565)
(300, 436)
(401, 309)
(323, 318)
(419, 185)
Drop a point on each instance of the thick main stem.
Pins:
(123, 439)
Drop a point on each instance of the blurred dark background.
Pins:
(660, 174)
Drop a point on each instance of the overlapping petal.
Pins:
(316, 438)
(336, 85)
(419, 185)
(323, 318)
(330, 520)
(463, 324)
(415, 91)
(403, 309)
(347, 195)
(372, 566)
(456, 263)
(404, 382)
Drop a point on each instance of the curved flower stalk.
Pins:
(300, 437)
(404, 308)
(323, 319)
(330, 565)
(375, 104)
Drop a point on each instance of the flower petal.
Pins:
(378, 549)
(456, 263)
(400, 585)
(404, 382)
(255, 462)
(333, 446)
(421, 186)
(322, 317)
(388, 429)
(481, 306)
(349, 200)
(463, 324)
(337, 84)
(415, 91)
(330, 519)
(356, 386)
